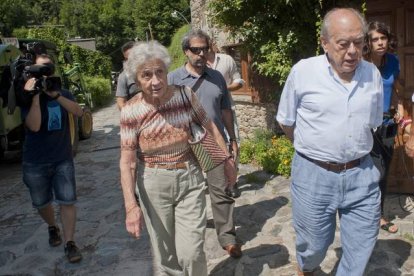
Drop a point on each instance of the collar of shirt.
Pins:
(355, 78)
(183, 73)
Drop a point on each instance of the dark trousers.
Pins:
(222, 206)
(382, 155)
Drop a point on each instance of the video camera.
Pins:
(43, 75)
(25, 69)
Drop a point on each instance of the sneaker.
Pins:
(72, 252)
(54, 236)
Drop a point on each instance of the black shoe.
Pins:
(54, 236)
(72, 252)
(233, 192)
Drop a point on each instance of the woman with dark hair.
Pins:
(379, 49)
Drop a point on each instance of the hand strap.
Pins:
(197, 84)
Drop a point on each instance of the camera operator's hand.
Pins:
(30, 85)
(53, 94)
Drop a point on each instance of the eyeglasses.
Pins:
(197, 50)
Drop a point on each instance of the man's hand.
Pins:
(29, 86)
(234, 149)
(409, 146)
(230, 171)
(52, 94)
(134, 222)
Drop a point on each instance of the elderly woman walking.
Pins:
(158, 166)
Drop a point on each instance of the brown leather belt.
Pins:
(333, 166)
(168, 166)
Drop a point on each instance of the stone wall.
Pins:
(252, 116)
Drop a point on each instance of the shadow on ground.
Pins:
(264, 257)
(252, 217)
(387, 259)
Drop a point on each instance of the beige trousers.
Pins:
(174, 207)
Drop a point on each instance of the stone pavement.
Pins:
(262, 215)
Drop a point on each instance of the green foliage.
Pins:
(155, 17)
(276, 33)
(92, 63)
(177, 56)
(246, 151)
(277, 57)
(100, 89)
(13, 14)
(273, 153)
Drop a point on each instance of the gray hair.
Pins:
(328, 16)
(185, 43)
(143, 52)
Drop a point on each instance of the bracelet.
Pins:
(57, 96)
(233, 140)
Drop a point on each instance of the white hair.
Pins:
(141, 53)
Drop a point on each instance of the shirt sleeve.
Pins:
(380, 101)
(397, 68)
(234, 73)
(122, 85)
(225, 100)
(286, 113)
(129, 129)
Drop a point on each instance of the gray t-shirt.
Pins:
(125, 88)
(212, 93)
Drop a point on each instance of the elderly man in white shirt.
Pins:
(328, 107)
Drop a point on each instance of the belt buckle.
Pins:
(336, 167)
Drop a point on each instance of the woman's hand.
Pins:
(134, 221)
(230, 171)
(397, 117)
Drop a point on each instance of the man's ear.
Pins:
(324, 44)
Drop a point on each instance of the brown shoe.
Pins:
(301, 273)
(234, 250)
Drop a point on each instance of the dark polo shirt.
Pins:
(212, 93)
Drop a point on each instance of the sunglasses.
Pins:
(197, 50)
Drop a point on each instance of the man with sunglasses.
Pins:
(211, 89)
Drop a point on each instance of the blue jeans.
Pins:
(46, 180)
(317, 196)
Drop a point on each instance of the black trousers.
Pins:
(381, 154)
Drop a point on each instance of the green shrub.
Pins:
(177, 56)
(246, 151)
(274, 154)
(100, 89)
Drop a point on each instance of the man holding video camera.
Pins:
(48, 169)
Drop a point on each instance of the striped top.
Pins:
(160, 134)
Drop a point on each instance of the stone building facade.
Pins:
(251, 114)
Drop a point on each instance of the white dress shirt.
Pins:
(332, 120)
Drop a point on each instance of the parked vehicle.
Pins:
(13, 59)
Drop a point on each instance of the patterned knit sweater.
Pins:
(160, 134)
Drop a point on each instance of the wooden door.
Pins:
(399, 15)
